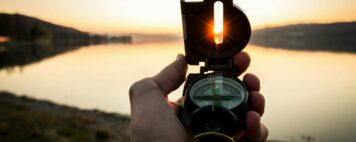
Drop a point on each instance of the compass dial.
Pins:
(217, 90)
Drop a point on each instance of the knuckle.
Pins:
(137, 85)
(141, 86)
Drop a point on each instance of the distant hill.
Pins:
(21, 28)
(339, 37)
(25, 39)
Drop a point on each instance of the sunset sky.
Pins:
(163, 16)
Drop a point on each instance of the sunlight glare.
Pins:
(218, 22)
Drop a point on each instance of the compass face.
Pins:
(217, 90)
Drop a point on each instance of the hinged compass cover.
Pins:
(198, 27)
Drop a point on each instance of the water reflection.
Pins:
(23, 55)
(16, 54)
(307, 93)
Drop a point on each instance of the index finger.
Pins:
(242, 61)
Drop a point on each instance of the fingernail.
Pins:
(179, 56)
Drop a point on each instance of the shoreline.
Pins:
(26, 119)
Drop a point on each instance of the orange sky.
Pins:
(163, 16)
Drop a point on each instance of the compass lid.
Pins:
(198, 27)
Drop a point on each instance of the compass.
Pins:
(214, 100)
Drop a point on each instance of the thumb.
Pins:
(171, 77)
(151, 115)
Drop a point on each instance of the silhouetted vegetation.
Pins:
(23, 29)
(339, 37)
(24, 119)
(29, 39)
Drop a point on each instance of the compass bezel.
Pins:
(218, 78)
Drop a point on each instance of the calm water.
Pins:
(307, 93)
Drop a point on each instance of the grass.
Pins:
(24, 119)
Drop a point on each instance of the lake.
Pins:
(307, 93)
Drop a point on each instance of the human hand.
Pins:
(153, 117)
